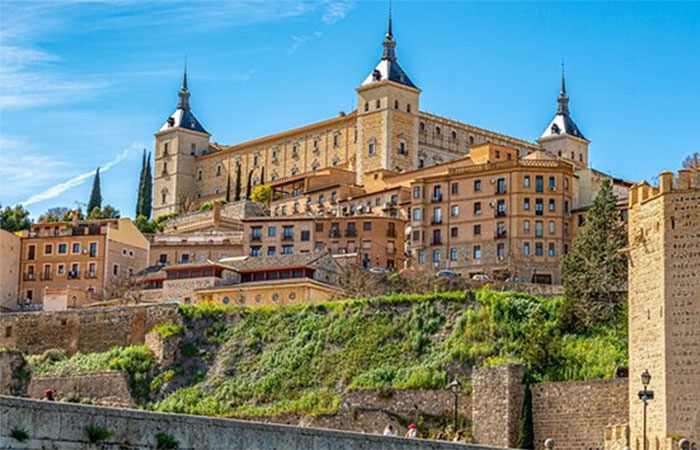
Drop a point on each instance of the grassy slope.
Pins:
(263, 361)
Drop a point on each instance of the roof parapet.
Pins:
(686, 180)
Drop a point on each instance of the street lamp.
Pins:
(645, 395)
(456, 388)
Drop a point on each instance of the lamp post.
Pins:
(645, 395)
(455, 387)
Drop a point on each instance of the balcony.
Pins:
(501, 191)
(334, 233)
(436, 198)
(74, 275)
(500, 214)
(350, 233)
(500, 234)
(90, 275)
(436, 241)
(436, 221)
(390, 233)
(29, 277)
(255, 237)
(287, 237)
(539, 212)
(45, 276)
(389, 205)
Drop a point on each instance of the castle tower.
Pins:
(562, 137)
(178, 141)
(664, 309)
(387, 120)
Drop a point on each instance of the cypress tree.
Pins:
(262, 175)
(238, 183)
(249, 186)
(526, 432)
(228, 188)
(96, 194)
(142, 180)
(148, 189)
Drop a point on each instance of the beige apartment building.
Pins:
(81, 254)
(167, 249)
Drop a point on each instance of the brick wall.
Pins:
(84, 330)
(576, 413)
(107, 387)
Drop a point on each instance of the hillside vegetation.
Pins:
(242, 362)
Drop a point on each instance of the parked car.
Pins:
(516, 280)
(379, 270)
(448, 274)
(480, 277)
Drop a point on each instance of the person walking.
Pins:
(412, 432)
(389, 430)
(48, 395)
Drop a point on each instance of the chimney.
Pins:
(217, 213)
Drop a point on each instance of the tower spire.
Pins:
(184, 102)
(389, 44)
(563, 100)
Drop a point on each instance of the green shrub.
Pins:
(19, 434)
(161, 379)
(97, 433)
(166, 441)
(168, 329)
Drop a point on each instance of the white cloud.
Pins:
(336, 11)
(60, 188)
(299, 41)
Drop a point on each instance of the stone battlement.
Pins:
(686, 180)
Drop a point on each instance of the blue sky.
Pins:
(86, 83)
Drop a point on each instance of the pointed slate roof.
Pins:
(389, 68)
(562, 122)
(183, 117)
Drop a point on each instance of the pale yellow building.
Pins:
(10, 248)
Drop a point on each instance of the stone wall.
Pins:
(53, 424)
(85, 330)
(576, 413)
(498, 394)
(107, 387)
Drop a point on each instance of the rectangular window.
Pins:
(455, 211)
(551, 249)
(61, 269)
(551, 204)
(416, 215)
(272, 231)
(367, 226)
(255, 251)
(455, 188)
(526, 248)
(454, 232)
(538, 228)
(305, 235)
(287, 249)
(271, 251)
(92, 269)
(31, 252)
(477, 252)
(477, 230)
(437, 215)
(76, 247)
(477, 185)
(501, 251)
(551, 227)
(319, 226)
(115, 269)
(501, 208)
(538, 249)
(185, 258)
(421, 257)
(552, 183)
(287, 232)
(370, 148)
(416, 192)
(93, 249)
(436, 256)
(526, 181)
(416, 236)
(526, 204)
(453, 254)
(501, 186)
(477, 208)
(437, 193)
(48, 249)
(539, 206)
(539, 183)
(62, 249)
(526, 226)
(318, 246)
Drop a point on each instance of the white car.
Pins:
(379, 270)
(480, 277)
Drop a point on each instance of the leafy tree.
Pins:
(526, 432)
(108, 212)
(144, 225)
(96, 194)
(55, 214)
(238, 184)
(595, 270)
(692, 162)
(14, 219)
(262, 194)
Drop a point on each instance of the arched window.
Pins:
(366, 106)
(371, 147)
(396, 104)
(454, 135)
(199, 174)
(402, 148)
(422, 126)
(379, 103)
(437, 130)
(218, 170)
(164, 196)
(471, 140)
(408, 107)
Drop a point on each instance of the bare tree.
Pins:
(692, 162)
(186, 203)
(357, 282)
